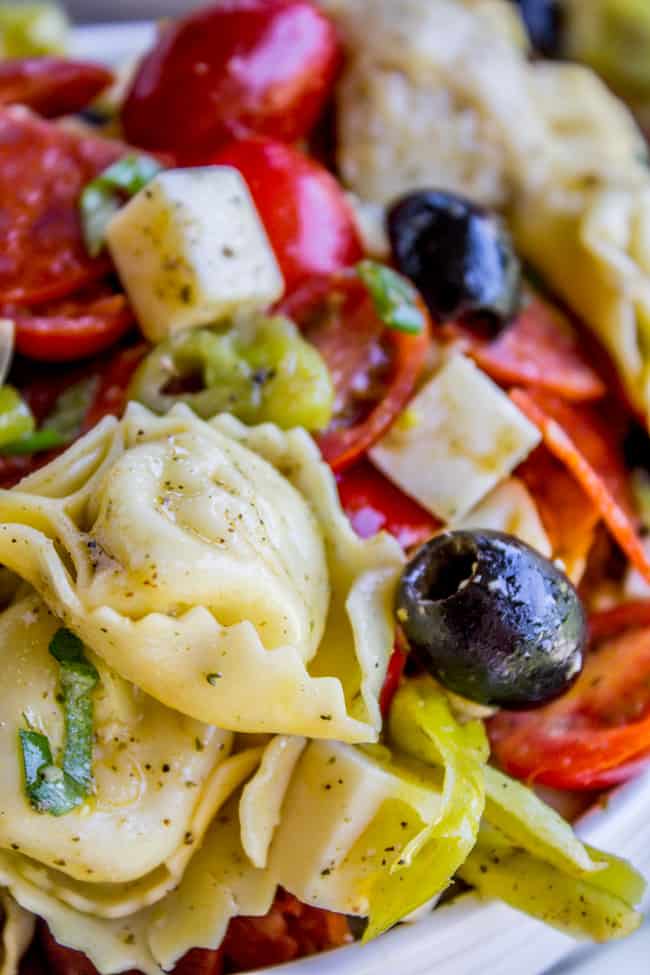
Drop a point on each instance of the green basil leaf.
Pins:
(104, 196)
(394, 297)
(52, 788)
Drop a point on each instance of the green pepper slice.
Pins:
(260, 370)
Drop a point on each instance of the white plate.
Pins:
(467, 937)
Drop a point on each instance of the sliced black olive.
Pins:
(492, 619)
(544, 21)
(459, 255)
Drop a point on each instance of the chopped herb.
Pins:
(34, 443)
(394, 297)
(52, 788)
(105, 195)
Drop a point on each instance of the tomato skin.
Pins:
(75, 329)
(233, 69)
(396, 666)
(373, 504)
(597, 735)
(306, 215)
(338, 315)
(51, 86)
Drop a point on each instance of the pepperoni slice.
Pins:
(43, 169)
(51, 86)
(538, 349)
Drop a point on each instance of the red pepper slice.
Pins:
(578, 438)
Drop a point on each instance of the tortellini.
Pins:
(16, 931)
(159, 777)
(435, 95)
(339, 809)
(211, 565)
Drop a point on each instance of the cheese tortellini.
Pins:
(210, 564)
(159, 777)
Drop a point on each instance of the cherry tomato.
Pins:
(373, 504)
(51, 86)
(374, 369)
(73, 329)
(598, 734)
(306, 215)
(236, 68)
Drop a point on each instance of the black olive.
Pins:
(492, 619)
(458, 254)
(544, 21)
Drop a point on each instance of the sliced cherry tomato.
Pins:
(598, 734)
(51, 86)
(236, 68)
(303, 208)
(374, 369)
(73, 329)
(538, 349)
(373, 504)
(111, 397)
(43, 168)
(580, 439)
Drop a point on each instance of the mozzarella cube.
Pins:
(190, 250)
(463, 436)
(509, 508)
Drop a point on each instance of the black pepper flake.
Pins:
(213, 678)
(326, 872)
(166, 768)
(326, 717)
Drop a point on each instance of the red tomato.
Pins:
(51, 86)
(598, 734)
(306, 215)
(74, 329)
(374, 369)
(237, 68)
(43, 169)
(373, 504)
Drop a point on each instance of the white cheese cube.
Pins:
(510, 508)
(463, 436)
(190, 249)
